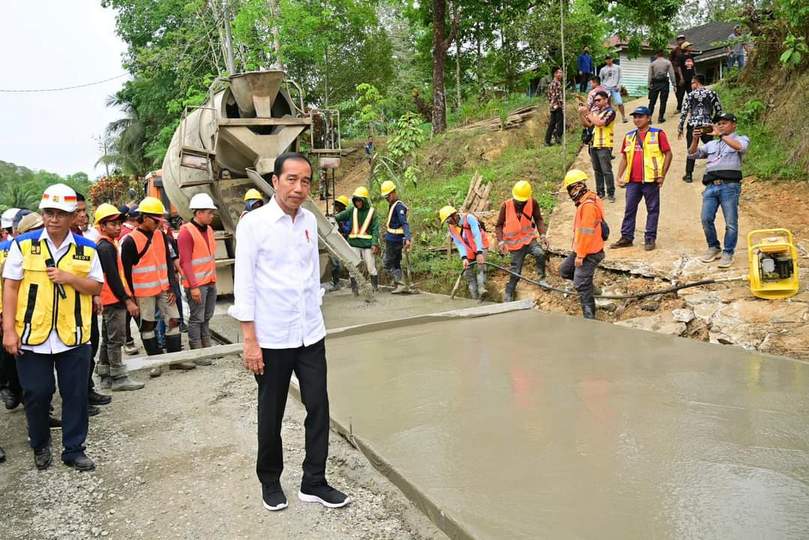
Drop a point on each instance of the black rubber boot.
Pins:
(541, 266)
(174, 343)
(588, 309)
(151, 346)
(354, 287)
(375, 282)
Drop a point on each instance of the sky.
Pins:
(50, 44)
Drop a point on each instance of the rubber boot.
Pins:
(354, 287)
(375, 283)
(588, 309)
(125, 384)
(473, 289)
(206, 341)
(399, 287)
(508, 295)
(481, 277)
(541, 267)
(151, 346)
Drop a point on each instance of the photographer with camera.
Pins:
(699, 108)
(723, 184)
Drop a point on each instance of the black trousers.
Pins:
(8, 373)
(689, 137)
(309, 365)
(555, 126)
(659, 90)
(681, 91)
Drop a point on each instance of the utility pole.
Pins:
(230, 62)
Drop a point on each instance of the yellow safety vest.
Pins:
(399, 230)
(603, 136)
(3, 253)
(652, 155)
(39, 306)
(356, 230)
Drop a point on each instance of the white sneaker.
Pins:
(727, 260)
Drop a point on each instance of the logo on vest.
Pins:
(78, 257)
(36, 249)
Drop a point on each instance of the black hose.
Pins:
(667, 290)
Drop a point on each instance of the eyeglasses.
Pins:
(50, 213)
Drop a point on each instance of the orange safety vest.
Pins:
(150, 276)
(519, 231)
(464, 234)
(203, 257)
(587, 232)
(107, 296)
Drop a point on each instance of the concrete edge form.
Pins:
(137, 364)
(450, 526)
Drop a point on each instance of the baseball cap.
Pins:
(641, 111)
(725, 116)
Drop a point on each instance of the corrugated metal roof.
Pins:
(635, 73)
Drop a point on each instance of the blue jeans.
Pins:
(725, 195)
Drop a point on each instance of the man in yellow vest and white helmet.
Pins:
(397, 235)
(50, 278)
(364, 233)
(197, 248)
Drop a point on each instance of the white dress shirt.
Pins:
(13, 270)
(277, 277)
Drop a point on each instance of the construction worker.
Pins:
(397, 235)
(117, 300)
(130, 221)
(472, 242)
(645, 161)
(340, 204)
(518, 228)
(197, 248)
(252, 200)
(6, 221)
(50, 278)
(364, 233)
(146, 260)
(588, 240)
(601, 119)
(79, 228)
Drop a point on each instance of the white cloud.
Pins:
(57, 43)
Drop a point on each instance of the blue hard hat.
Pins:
(641, 111)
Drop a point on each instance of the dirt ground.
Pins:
(164, 473)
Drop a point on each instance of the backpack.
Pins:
(605, 227)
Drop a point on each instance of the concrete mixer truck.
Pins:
(229, 144)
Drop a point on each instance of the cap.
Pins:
(681, 36)
(29, 222)
(7, 219)
(641, 111)
(725, 116)
(15, 223)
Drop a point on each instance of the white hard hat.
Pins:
(201, 201)
(60, 197)
(7, 219)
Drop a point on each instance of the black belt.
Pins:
(718, 182)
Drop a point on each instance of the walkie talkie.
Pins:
(62, 294)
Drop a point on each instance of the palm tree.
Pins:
(19, 195)
(125, 141)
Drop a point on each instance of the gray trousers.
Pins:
(113, 337)
(518, 258)
(582, 277)
(199, 334)
(601, 159)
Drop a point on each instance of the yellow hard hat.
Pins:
(151, 205)
(253, 195)
(342, 199)
(573, 176)
(522, 191)
(104, 211)
(361, 191)
(387, 187)
(445, 212)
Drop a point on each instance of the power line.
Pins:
(61, 89)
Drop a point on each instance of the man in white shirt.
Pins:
(49, 279)
(277, 297)
(611, 77)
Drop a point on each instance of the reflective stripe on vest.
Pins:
(604, 136)
(652, 155)
(518, 231)
(467, 239)
(107, 296)
(150, 276)
(39, 306)
(203, 261)
(400, 230)
(593, 232)
(356, 231)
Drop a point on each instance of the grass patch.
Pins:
(768, 157)
(473, 110)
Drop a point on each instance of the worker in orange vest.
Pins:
(197, 248)
(147, 265)
(521, 231)
(589, 232)
(472, 242)
(116, 300)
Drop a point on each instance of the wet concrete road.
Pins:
(580, 429)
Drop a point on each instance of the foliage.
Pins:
(369, 103)
(112, 189)
(21, 187)
(395, 164)
(795, 49)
